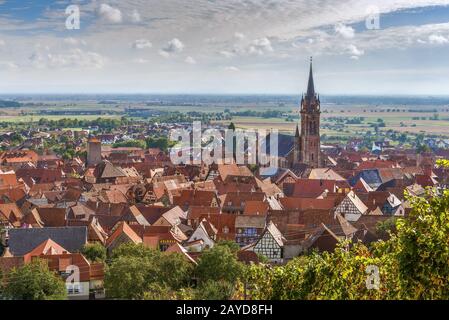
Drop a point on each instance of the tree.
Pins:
(214, 290)
(129, 277)
(412, 264)
(94, 252)
(175, 270)
(161, 142)
(34, 281)
(230, 244)
(422, 148)
(219, 263)
(385, 228)
(420, 249)
(130, 144)
(2, 248)
(133, 250)
(138, 272)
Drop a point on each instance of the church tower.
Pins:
(307, 143)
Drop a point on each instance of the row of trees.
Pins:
(137, 272)
(412, 264)
(151, 142)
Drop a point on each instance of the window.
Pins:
(73, 288)
(225, 229)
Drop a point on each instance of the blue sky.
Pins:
(233, 46)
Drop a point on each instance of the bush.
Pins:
(34, 281)
(94, 252)
(214, 290)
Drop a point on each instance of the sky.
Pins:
(225, 46)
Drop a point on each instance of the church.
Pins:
(303, 150)
(307, 145)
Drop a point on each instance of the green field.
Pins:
(28, 118)
(398, 119)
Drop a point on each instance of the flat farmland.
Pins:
(404, 122)
(29, 118)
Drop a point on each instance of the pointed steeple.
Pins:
(297, 131)
(310, 86)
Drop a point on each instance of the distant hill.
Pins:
(9, 104)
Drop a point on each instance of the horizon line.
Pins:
(418, 95)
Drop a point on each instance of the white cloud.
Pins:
(110, 14)
(74, 58)
(172, 47)
(135, 16)
(232, 69)
(260, 46)
(355, 52)
(438, 39)
(315, 28)
(239, 35)
(2, 43)
(346, 32)
(227, 54)
(74, 42)
(8, 65)
(141, 61)
(142, 44)
(190, 60)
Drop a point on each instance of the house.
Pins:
(189, 198)
(278, 176)
(106, 172)
(83, 279)
(206, 232)
(173, 217)
(326, 237)
(10, 215)
(15, 159)
(388, 203)
(224, 223)
(22, 241)
(232, 173)
(270, 244)
(235, 202)
(351, 208)
(249, 228)
(177, 248)
(162, 237)
(134, 216)
(8, 180)
(361, 186)
(122, 233)
(371, 177)
(309, 188)
(256, 208)
(96, 233)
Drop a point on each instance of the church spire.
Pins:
(310, 86)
